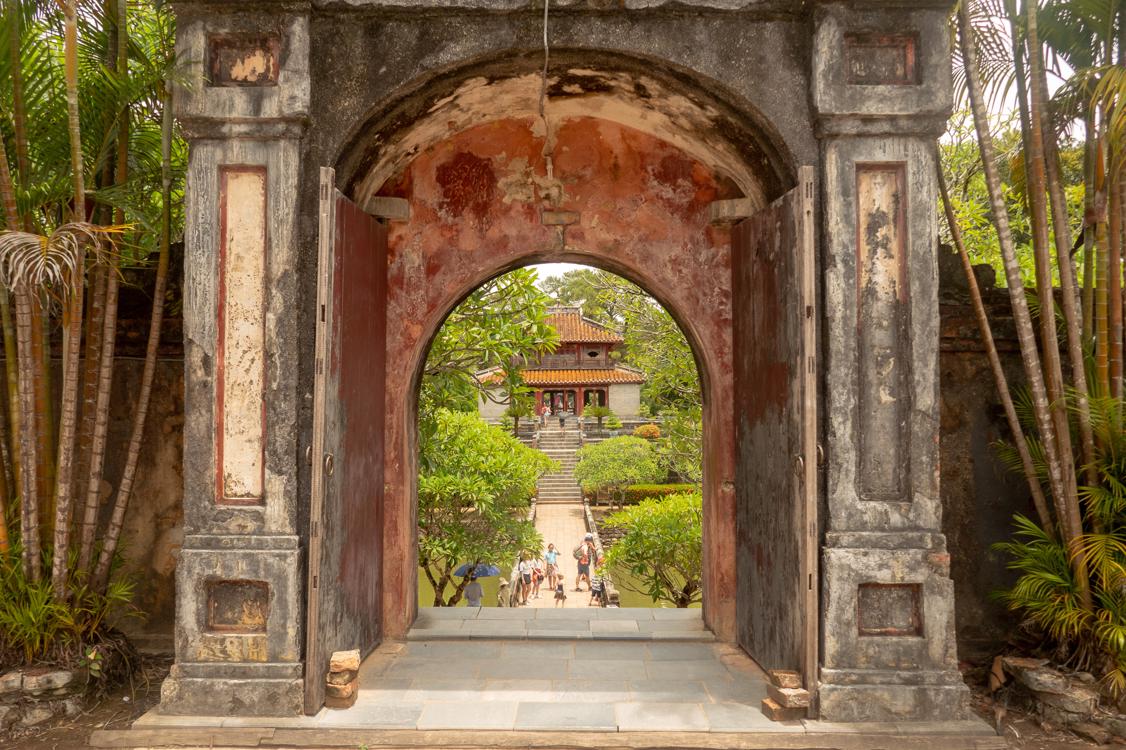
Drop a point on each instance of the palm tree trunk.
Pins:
(95, 319)
(1090, 150)
(70, 68)
(1062, 235)
(1070, 515)
(125, 488)
(68, 424)
(1114, 286)
(1038, 500)
(12, 222)
(1022, 318)
(42, 417)
(29, 496)
(101, 418)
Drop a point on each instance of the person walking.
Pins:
(551, 559)
(473, 592)
(560, 592)
(584, 553)
(544, 411)
(537, 576)
(525, 568)
(562, 418)
(504, 597)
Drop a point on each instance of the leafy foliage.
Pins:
(597, 413)
(36, 627)
(1046, 591)
(648, 431)
(498, 326)
(473, 497)
(614, 464)
(662, 548)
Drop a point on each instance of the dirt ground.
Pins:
(1022, 730)
(121, 706)
(116, 710)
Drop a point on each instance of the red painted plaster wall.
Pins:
(475, 201)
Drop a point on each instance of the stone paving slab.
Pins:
(683, 690)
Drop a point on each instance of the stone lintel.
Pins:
(267, 671)
(244, 128)
(891, 540)
(926, 124)
(889, 677)
(240, 542)
(731, 210)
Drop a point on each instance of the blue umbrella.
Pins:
(484, 570)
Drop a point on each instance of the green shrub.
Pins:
(662, 548)
(597, 413)
(648, 431)
(35, 627)
(613, 423)
(640, 492)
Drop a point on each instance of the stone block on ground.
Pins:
(337, 703)
(1076, 699)
(347, 690)
(784, 678)
(345, 661)
(55, 679)
(788, 697)
(36, 713)
(8, 716)
(341, 678)
(1092, 732)
(774, 712)
(11, 682)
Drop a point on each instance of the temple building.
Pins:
(583, 371)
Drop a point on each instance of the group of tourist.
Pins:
(534, 570)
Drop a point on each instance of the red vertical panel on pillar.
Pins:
(775, 389)
(345, 550)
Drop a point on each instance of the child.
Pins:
(596, 587)
(560, 592)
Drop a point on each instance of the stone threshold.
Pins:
(956, 735)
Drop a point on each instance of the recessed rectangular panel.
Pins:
(889, 609)
(242, 336)
(237, 606)
(880, 60)
(243, 60)
(883, 366)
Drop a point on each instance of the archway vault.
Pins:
(481, 200)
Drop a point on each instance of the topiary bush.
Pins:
(648, 431)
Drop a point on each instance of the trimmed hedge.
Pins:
(635, 493)
(648, 431)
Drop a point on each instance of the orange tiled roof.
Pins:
(573, 328)
(604, 376)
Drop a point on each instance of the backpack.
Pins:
(578, 552)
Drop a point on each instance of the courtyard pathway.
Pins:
(563, 525)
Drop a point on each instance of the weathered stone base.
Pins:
(893, 702)
(185, 696)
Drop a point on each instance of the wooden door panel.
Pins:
(775, 386)
(345, 547)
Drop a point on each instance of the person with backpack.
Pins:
(584, 553)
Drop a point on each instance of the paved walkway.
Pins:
(580, 623)
(574, 687)
(563, 525)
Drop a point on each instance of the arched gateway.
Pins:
(765, 169)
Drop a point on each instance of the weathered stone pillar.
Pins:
(881, 88)
(239, 634)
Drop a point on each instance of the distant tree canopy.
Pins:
(969, 195)
(473, 494)
(614, 464)
(501, 323)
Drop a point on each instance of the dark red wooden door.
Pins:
(776, 396)
(345, 517)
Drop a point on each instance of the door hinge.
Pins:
(316, 529)
(809, 312)
(810, 582)
(314, 582)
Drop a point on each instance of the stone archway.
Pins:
(858, 87)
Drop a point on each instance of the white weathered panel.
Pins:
(243, 265)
